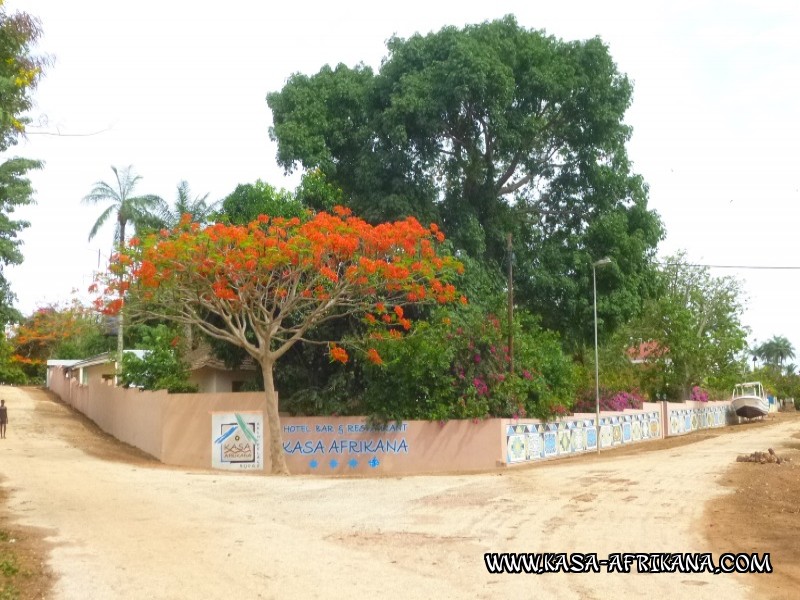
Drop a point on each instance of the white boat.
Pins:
(749, 400)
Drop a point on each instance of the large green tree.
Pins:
(491, 129)
(694, 318)
(20, 70)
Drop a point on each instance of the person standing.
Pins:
(3, 418)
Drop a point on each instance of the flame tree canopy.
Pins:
(55, 331)
(264, 285)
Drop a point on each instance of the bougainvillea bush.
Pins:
(616, 401)
(699, 394)
(456, 365)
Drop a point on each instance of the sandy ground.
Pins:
(123, 526)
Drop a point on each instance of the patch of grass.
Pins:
(8, 564)
(17, 581)
(9, 593)
(24, 574)
(9, 568)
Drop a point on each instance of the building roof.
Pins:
(203, 357)
(61, 362)
(196, 359)
(105, 357)
(646, 351)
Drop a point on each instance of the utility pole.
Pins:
(510, 306)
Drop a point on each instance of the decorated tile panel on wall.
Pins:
(527, 442)
(685, 420)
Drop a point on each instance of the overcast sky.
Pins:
(177, 89)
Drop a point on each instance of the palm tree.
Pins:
(775, 350)
(197, 208)
(140, 211)
(200, 213)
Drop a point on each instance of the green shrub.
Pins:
(457, 366)
(161, 368)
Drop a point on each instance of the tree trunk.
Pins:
(276, 454)
(120, 324)
(120, 346)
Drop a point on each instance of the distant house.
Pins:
(210, 374)
(647, 352)
(101, 367)
(207, 372)
(55, 363)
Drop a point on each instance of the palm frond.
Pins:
(126, 180)
(100, 221)
(102, 192)
(197, 208)
(140, 211)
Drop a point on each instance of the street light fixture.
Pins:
(600, 263)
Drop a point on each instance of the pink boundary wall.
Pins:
(176, 430)
(346, 445)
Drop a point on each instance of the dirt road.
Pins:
(123, 526)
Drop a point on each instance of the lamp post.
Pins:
(600, 263)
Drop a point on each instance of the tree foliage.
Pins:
(11, 372)
(489, 130)
(775, 351)
(70, 331)
(198, 207)
(694, 318)
(270, 282)
(20, 71)
(15, 191)
(317, 193)
(249, 200)
(458, 367)
(162, 367)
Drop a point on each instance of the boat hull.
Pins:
(750, 407)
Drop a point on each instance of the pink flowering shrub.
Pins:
(611, 401)
(457, 366)
(699, 394)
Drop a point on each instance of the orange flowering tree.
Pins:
(264, 285)
(52, 332)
